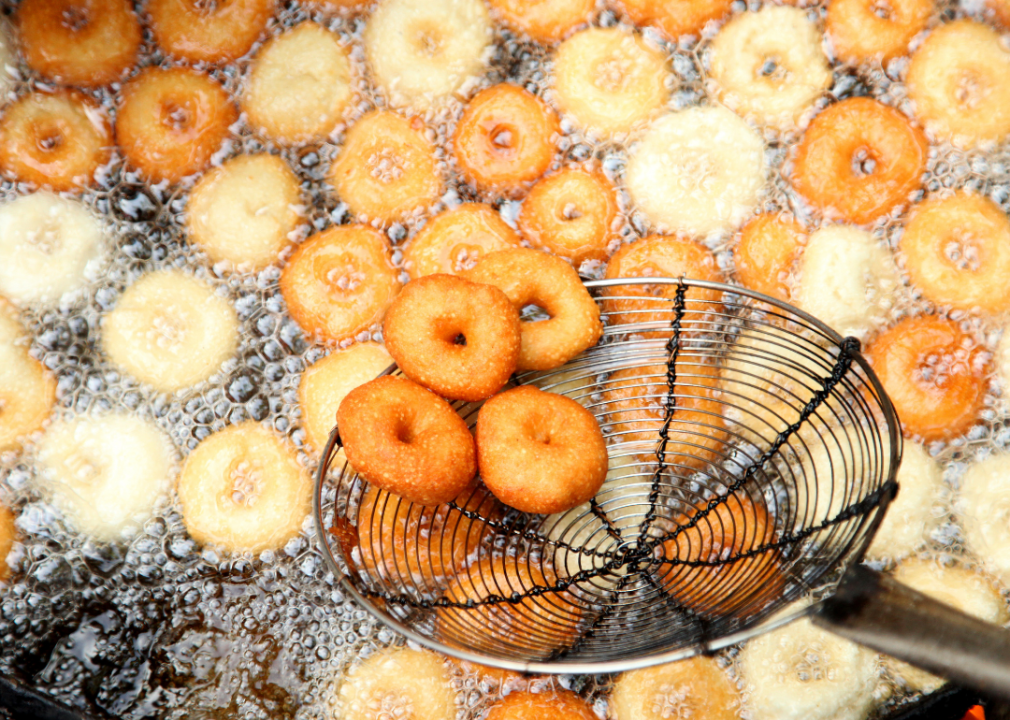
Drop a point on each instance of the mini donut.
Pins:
(27, 389)
(676, 17)
(982, 506)
(764, 255)
(55, 140)
(959, 83)
(242, 488)
(216, 32)
(557, 704)
(459, 338)
(244, 211)
(79, 42)
(696, 687)
(423, 51)
(957, 251)
(858, 160)
(540, 452)
(768, 65)
(454, 240)
(572, 213)
(299, 85)
(530, 277)
(407, 440)
(398, 683)
(171, 121)
(505, 138)
(697, 171)
(934, 374)
(340, 281)
(861, 30)
(609, 80)
(387, 167)
(8, 534)
(170, 330)
(546, 21)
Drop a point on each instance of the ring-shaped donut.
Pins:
(398, 683)
(217, 32)
(861, 30)
(454, 240)
(696, 687)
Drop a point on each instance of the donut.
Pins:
(934, 374)
(765, 253)
(8, 534)
(198, 31)
(505, 138)
(79, 42)
(339, 282)
(959, 84)
(540, 452)
(697, 171)
(982, 505)
(610, 81)
(862, 30)
(957, 251)
(170, 331)
(56, 140)
(244, 211)
(243, 489)
(421, 52)
(859, 160)
(27, 389)
(572, 213)
(768, 65)
(530, 277)
(675, 17)
(459, 338)
(398, 683)
(105, 473)
(387, 167)
(696, 687)
(171, 121)
(547, 21)
(454, 240)
(554, 705)
(299, 85)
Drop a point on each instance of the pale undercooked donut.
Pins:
(208, 32)
(387, 167)
(934, 373)
(957, 251)
(549, 705)
(530, 277)
(545, 21)
(56, 140)
(858, 160)
(696, 687)
(982, 507)
(242, 488)
(540, 452)
(768, 65)
(27, 389)
(340, 281)
(697, 170)
(675, 17)
(424, 51)
(505, 138)
(609, 80)
(959, 83)
(764, 256)
(299, 85)
(106, 473)
(8, 534)
(572, 213)
(79, 42)
(49, 246)
(244, 211)
(398, 683)
(861, 30)
(456, 337)
(170, 330)
(454, 240)
(171, 121)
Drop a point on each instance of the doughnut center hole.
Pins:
(83, 468)
(533, 313)
(963, 253)
(246, 482)
(49, 140)
(465, 258)
(345, 279)
(772, 69)
(672, 702)
(933, 370)
(207, 7)
(612, 74)
(569, 211)
(386, 165)
(429, 40)
(970, 90)
(167, 330)
(46, 239)
(460, 339)
(75, 18)
(503, 138)
(863, 163)
(404, 431)
(175, 116)
(882, 9)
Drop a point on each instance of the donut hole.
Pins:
(771, 68)
(532, 313)
(46, 239)
(612, 74)
(83, 468)
(504, 139)
(386, 165)
(864, 162)
(428, 39)
(75, 18)
(568, 209)
(342, 277)
(970, 89)
(175, 115)
(883, 10)
(246, 483)
(963, 252)
(49, 137)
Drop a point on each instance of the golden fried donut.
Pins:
(859, 159)
(172, 121)
(398, 683)
(545, 21)
(387, 167)
(79, 42)
(572, 213)
(55, 140)
(959, 83)
(27, 389)
(505, 138)
(861, 30)
(696, 687)
(216, 32)
(675, 17)
(540, 452)
(407, 440)
(454, 240)
(957, 251)
(530, 277)
(766, 251)
(8, 534)
(459, 338)
(934, 373)
(553, 705)
(340, 281)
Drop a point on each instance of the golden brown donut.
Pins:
(200, 31)
(8, 534)
(553, 705)
(862, 30)
(675, 17)
(407, 440)
(545, 21)
(768, 246)
(454, 240)
(696, 687)
(459, 338)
